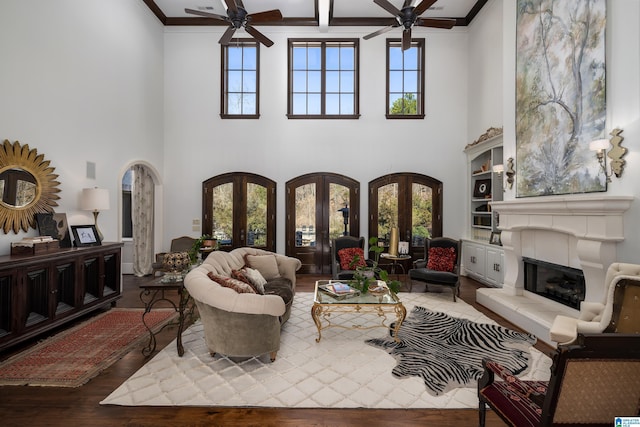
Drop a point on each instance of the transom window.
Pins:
(323, 78)
(405, 80)
(240, 79)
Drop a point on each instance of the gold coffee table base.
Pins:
(382, 305)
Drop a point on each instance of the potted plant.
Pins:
(205, 241)
(364, 277)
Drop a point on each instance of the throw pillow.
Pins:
(267, 265)
(229, 282)
(442, 259)
(347, 256)
(256, 279)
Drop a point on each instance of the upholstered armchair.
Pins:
(440, 265)
(597, 317)
(343, 242)
(592, 382)
(180, 244)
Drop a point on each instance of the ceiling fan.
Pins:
(238, 17)
(409, 16)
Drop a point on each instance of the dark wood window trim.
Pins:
(224, 92)
(323, 43)
(420, 44)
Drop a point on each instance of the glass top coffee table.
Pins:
(382, 303)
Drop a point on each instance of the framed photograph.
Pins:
(54, 225)
(482, 189)
(495, 238)
(85, 235)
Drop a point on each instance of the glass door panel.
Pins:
(421, 214)
(222, 209)
(387, 211)
(256, 215)
(339, 204)
(305, 215)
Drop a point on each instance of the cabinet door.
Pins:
(36, 296)
(7, 280)
(64, 287)
(91, 279)
(474, 260)
(494, 272)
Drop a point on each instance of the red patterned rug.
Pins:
(71, 358)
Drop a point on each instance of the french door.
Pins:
(239, 209)
(411, 202)
(320, 207)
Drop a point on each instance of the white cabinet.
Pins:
(483, 262)
(484, 185)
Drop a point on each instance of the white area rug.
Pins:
(340, 371)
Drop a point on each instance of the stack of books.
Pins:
(339, 290)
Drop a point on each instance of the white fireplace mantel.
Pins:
(580, 231)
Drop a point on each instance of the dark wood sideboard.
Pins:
(41, 292)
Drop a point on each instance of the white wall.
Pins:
(82, 80)
(200, 145)
(485, 71)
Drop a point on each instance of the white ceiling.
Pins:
(307, 8)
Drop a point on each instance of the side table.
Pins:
(153, 293)
(396, 261)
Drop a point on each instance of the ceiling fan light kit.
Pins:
(409, 16)
(238, 17)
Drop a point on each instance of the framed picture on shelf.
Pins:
(85, 235)
(482, 189)
(495, 238)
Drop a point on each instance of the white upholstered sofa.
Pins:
(243, 324)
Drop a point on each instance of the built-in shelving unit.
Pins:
(482, 259)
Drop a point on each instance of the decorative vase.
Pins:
(393, 242)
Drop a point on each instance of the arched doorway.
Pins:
(319, 208)
(142, 249)
(412, 202)
(239, 209)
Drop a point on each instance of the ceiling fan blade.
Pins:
(422, 7)
(258, 36)
(227, 36)
(205, 14)
(406, 39)
(380, 31)
(388, 7)
(436, 23)
(267, 16)
(231, 4)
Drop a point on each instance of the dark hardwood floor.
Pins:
(50, 406)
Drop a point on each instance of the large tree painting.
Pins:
(560, 96)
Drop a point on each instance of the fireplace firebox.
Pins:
(559, 283)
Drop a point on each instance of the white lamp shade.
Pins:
(94, 199)
(498, 168)
(599, 144)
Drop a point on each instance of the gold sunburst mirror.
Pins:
(27, 184)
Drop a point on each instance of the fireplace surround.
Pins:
(580, 232)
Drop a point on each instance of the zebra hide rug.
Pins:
(447, 352)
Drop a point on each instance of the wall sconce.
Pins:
(510, 172)
(499, 169)
(96, 200)
(615, 154)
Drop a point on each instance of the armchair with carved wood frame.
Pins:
(592, 382)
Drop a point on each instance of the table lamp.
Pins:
(96, 200)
